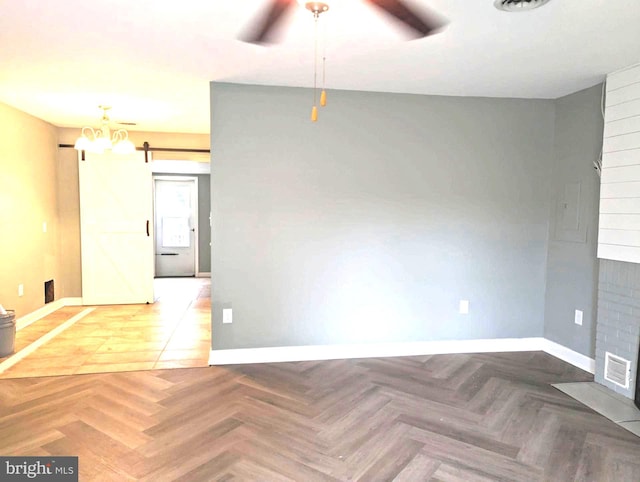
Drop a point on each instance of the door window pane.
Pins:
(176, 232)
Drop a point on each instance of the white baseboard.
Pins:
(29, 349)
(34, 316)
(47, 309)
(73, 302)
(566, 354)
(378, 350)
(203, 274)
(373, 350)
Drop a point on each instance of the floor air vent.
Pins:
(49, 293)
(617, 370)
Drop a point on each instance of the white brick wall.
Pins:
(619, 225)
(618, 325)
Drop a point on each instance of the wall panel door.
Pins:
(176, 220)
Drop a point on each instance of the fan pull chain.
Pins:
(323, 95)
(314, 110)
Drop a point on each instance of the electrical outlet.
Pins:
(20, 290)
(578, 318)
(464, 307)
(227, 315)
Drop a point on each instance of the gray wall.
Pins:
(372, 224)
(572, 267)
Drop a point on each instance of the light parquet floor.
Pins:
(445, 417)
(174, 332)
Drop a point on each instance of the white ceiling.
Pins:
(152, 60)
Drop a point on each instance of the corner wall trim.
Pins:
(379, 350)
(47, 309)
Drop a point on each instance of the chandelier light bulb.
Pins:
(101, 139)
(124, 147)
(103, 143)
(82, 143)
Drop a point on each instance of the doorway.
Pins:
(176, 222)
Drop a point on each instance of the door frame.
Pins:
(196, 239)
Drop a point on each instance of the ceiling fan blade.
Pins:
(420, 23)
(264, 29)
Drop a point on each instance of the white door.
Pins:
(176, 218)
(116, 207)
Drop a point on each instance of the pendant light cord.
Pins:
(324, 53)
(315, 60)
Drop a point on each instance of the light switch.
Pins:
(227, 315)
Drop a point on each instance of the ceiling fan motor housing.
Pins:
(518, 5)
(420, 23)
(316, 7)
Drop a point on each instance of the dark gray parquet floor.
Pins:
(443, 418)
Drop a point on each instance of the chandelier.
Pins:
(100, 139)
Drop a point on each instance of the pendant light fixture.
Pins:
(419, 22)
(323, 94)
(317, 8)
(100, 139)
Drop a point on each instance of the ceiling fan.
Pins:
(263, 30)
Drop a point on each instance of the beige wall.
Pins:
(28, 182)
(68, 197)
(39, 183)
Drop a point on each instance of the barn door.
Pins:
(116, 209)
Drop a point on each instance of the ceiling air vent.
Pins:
(518, 5)
(617, 370)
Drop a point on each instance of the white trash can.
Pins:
(7, 333)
